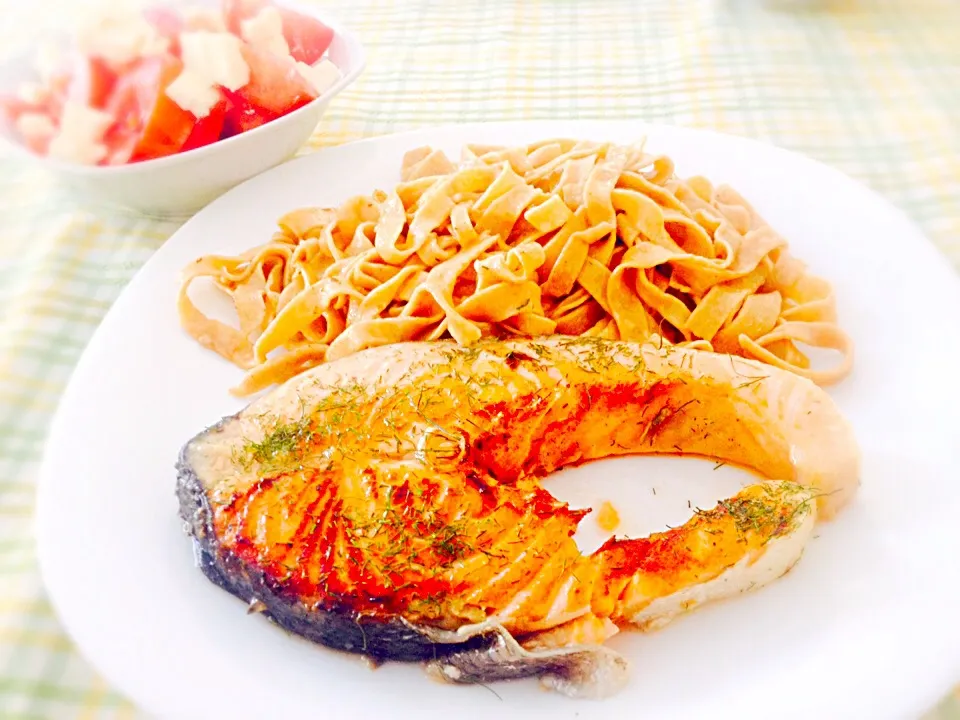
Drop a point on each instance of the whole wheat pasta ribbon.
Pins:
(559, 236)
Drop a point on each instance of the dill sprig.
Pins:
(281, 443)
(771, 513)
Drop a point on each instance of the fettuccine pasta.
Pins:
(558, 237)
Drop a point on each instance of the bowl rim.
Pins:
(357, 64)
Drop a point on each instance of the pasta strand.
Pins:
(560, 236)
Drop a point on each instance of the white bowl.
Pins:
(179, 185)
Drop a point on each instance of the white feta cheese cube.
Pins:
(193, 93)
(216, 57)
(322, 75)
(265, 31)
(79, 136)
(120, 38)
(49, 62)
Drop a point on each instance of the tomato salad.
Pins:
(167, 80)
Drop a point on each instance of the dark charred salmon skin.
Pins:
(391, 503)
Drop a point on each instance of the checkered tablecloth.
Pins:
(871, 87)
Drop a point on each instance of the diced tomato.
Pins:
(13, 107)
(276, 88)
(236, 11)
(39, 145)
(93, 82)
(102, 81)
(119, 147)
(168, 23)
(129, 105)
(241, 116)
(307, 37)
(148, 123)
(208, 128)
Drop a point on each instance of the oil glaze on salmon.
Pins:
(395, 503)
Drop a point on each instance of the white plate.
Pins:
(865, 626)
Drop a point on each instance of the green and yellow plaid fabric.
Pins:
(868, 86)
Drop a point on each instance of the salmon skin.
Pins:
(391, 503)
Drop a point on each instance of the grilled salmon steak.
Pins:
(392, 503)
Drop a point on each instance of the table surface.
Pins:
(870, 87)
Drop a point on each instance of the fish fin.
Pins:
(581, 671)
